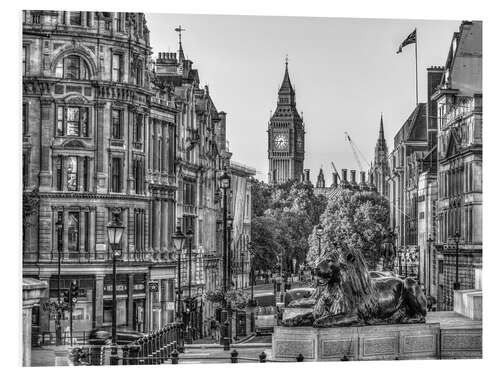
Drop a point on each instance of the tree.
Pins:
(354, 219)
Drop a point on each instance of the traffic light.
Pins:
(74, 292)
(65, 295)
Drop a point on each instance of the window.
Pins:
(25, 60)
(139, 229)
(72, 121)
(119, 22)
(89, 19)
(189, 193)
(116, 68)
(86, 163)
(35, 18)
(116, 124)
(25, 119)
(73, 232)
(138, 127)
(116, 175)
(72, 67)
(138, 73)
(139, 176)
(75, 18)
(72, 173)
(59, 174)
(25, 170)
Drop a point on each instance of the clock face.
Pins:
(280, 142)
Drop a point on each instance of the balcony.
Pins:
(99, 256)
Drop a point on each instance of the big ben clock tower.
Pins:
(285, 132)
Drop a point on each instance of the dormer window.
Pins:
(72, 67)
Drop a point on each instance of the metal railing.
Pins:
(156, 348)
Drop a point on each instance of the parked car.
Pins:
(265, 313)
(124, 336)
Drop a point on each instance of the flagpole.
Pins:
(416, 68)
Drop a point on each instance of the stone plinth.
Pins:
(32, 291)
(384, 342)
(469, 303)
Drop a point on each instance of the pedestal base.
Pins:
(384, 342)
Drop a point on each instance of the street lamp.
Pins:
(115, 232)
(189, 237)
(319, 234)
(427, 266)
(178, 239)
(456, 239)
(225, 183)
(59, 227)
(229, 251)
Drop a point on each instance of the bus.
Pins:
(265, 313)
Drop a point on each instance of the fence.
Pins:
(155, 348)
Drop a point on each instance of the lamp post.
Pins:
(178, 239)
(115, 232)
(229, 252)
(225, 183)
(59, 227)
(319, 234)
(456, 239)
(189, 238)
(427, 268)
(406, 261)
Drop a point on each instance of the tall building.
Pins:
(459, 170)
(285, 137)
(380, 167)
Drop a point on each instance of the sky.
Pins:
(345, 71)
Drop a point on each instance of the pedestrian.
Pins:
(213, 328)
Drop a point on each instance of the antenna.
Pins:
(179, 30)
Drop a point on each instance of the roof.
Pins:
(286, 85)
(415, 127)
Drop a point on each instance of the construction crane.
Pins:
(335, 169)
(356, 151)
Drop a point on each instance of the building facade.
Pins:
(459, 169)
(285, 137)
(107, 129)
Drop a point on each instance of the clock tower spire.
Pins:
(285, 136)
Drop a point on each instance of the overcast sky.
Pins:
(345, 72)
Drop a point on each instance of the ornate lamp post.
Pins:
(427, 266)
(59, 227)
(456, 239)
(115, 232)
(229, 252)
(319, 234)
(225, 183)
(189, 238)
(178, 238)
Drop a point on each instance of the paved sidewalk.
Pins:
(50, 355)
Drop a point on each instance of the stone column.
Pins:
(92, 231)
(157, 221)
(164, 224)
(130, 307)
(47, 130)
(99, 305)
(65, 234)
(102, 136)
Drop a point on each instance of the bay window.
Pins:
(72, 121)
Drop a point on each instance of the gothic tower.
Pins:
(285, 135)
(380, 164)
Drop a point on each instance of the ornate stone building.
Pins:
(105, 130)
(285, 137)
(459, 170)
(380, 167)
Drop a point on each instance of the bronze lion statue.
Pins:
(346, 295)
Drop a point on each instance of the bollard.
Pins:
(344, 358)
(234, 356)
(227, 338)
(262, 357)
(125, 355)
(175, 357)
(300, 358)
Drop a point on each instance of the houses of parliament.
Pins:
(286, 150)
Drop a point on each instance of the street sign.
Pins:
(154, 286)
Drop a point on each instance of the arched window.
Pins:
(72, 67)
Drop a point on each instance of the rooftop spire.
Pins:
(181, 52)
(381, 130)
(286, 85)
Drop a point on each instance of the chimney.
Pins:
(306, 175)
(353, 177)
(344, 175)
(335, 181)
(362, 184)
